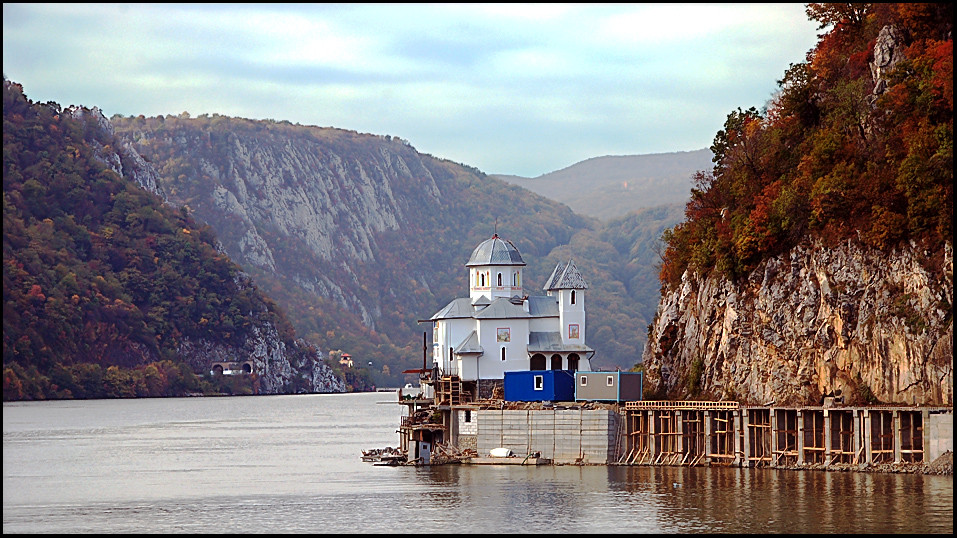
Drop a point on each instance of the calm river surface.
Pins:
(284, 464)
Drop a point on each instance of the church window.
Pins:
(500, 279)
(573, 296)
(514, 279)
(503, 353)
(482, 285)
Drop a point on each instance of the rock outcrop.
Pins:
(847, 321)
(116, 152)
(272, 362)
(326, 196)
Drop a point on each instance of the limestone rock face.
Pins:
(877, 327)
(272, 362)
(326, 196)
(888, 52)
(117, 152)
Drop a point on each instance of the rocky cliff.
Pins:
(870, 326)
(316, 203)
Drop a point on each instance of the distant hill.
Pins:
(615, 185)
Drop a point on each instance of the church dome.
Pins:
(495, 251)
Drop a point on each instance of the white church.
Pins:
(498, 329)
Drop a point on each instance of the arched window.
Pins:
(573, 296)
(482, 280)
(514, 279)
(503, 353)
(500, 279)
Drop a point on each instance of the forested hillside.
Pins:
(858, 143)
(109, 292)
(816, 257)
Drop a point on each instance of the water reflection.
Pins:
(727, 500)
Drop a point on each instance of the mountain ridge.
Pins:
(611, 186)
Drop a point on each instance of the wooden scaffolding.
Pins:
(813, 446)
(882, 436)
(843, 446)
(786, 437)
(911, 436)
(720, 449)
(759, 437)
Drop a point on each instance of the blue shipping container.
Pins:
(540, 386)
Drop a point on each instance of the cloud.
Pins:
(509, 88)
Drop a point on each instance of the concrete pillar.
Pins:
(652, 430)
(896, 428)
(868, 436)
(925, 433)
(680, 429)
(827, 436)
(707, 434)
(774, 434)
(746, 438)
(857, 433)
(799, 441)
(736, 436)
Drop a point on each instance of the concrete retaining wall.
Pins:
(560, 435)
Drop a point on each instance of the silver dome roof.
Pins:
(495, 251)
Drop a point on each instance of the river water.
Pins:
(285, 464)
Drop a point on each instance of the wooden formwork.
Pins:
(881, 447)
(785, 437)
(720, 443)
(637, 448)
(843, 446)
(759, 437)
(693, 433)
(813, 446)
(693, 436)
(911, 436)
(666, 438)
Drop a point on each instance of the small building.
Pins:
(540, 386)
(346, 360)
(608, 386)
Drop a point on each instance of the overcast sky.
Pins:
(506, 88)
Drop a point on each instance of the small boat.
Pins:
(388, 455)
